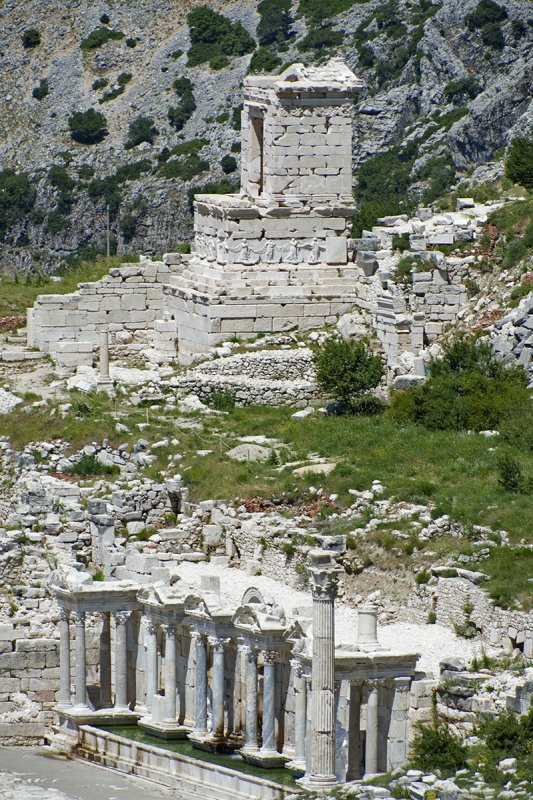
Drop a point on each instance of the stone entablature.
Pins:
(246, 679)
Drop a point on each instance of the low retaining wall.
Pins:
(190, 778)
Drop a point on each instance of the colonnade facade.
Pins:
(241, 680)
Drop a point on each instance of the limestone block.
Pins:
(336, 250)
(133, 302)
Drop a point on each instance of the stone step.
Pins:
(21, 355)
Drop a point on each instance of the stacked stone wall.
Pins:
(129, 298)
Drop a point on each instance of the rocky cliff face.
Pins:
(453, 84)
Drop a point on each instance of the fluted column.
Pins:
(150, 629)
(121, 660)
(269, 702)
(323, 573)
(81, 665)
(105, 661)
(300, 711)
(64, 658)
(200, 726)
(371, 745)
(218, 687)
(250, 739)
(170, 672)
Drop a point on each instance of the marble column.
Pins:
(354, 742)
(200, 688)
(300, 711)
(105, 661)
(81, 666)
(269, 703)
(250, 740)
(121, 660)
(104, 356)
(323, 572)
(217, 687)
(152, 677)
(371, 745)
(170, 672)
(64, 658)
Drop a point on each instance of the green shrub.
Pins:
(31, 38)
(130, 42)
(469, 389)
(17, 198)
(274, 26)
(518, 29)
(462, 87)
(175, 54)
(100, 83)
(141, 129)
(56, 223)
(382, 187)
(510, 474)
(181, 113)
(347, 371)
(422, 577)
(229, 164)
(105, 19)
(59, 177)
(87, 127)
(447, 120)
(186, 169)
(432, 617)
(471, 287)
(106, 189)
(437, 749)
(190, 148)
(404, 267)
(99, 37)
(289, 549)
(366, 56)
(492, 36)
(264, 61)
(513, 252)
(224, 186)
(519, 162)
(486, 11)
(323, 38)
(42, 90)
(222, 400)
(89, 465)
(132, 172)
(317, 10)
(128, 226)
(213, 35)
(400, 242)
(219, 61)
(507, 735)
(236, 117)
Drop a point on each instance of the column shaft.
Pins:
(371, 746)
(269, 703)
(218, 688)
(170, 673)
(64, 658)
(121, 660)
(250, 741)
(105, 661)
(81, 666)
(152, 677)
(323, 680)
(200, 688)
(300, 712)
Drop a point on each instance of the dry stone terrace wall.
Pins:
(272, 377)
(129, 298)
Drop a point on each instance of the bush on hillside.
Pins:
(181, 113)
(318, 10)
(462, 87)
(87, 127)
(519, 162)
(322, 38)
(264, 61)
(31, 38)
(42, 90)
(347, 371)
(486, 12)
(17, 198)
(99, 37)
(141, 129)
(468, 389)
(186, 169)
(274, 26)
(228, 164)
(213, 34)
(437, 749)
(506, 735)
(492, 36)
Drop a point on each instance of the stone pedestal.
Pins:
(320, 776)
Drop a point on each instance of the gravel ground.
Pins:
(8, 401)
(432, 642)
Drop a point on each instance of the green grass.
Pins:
(17, 296)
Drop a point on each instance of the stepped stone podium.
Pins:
(274, 256)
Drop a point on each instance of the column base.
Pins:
(318, 783)
(267, 759)
(210, 743)
(103, 716)
(163, 729)
(297, 767)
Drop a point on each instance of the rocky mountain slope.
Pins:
(447, 84)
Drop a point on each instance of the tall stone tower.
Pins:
(274, 257)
